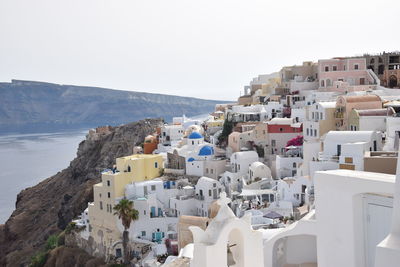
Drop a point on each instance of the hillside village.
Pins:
(300, 171)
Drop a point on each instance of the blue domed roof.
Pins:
(190, 159)
(206, 151)
(195, 135)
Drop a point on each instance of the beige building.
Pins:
(380, 161)
(345, 104)
(307, 69)
(320, 119)
(369, 119)
(184, 234)
(106, 194)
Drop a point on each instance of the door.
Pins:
(339, 149)
(145, 190)
(377, 223)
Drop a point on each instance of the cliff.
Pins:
(38, 106)
(48, 207)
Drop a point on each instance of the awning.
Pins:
(256, 192)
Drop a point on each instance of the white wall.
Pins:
(301, 249)
(340, 241)
(372, 123)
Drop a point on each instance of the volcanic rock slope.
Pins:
(48, 207)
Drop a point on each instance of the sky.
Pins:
(208, 49)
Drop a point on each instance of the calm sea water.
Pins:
(26, 159)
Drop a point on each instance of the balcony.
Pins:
(198, 197)
(339, 115)
(323, 157)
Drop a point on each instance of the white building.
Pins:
(293, 189)
(171, 134)
(257, 171)
(241, 161)
(287, 166)
(207, 190)
(335, 139)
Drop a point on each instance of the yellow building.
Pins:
(134, 168)
(215, 123)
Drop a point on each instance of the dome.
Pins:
(195, 135)
(206, 151)
(190, 159)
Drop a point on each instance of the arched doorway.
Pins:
(392, 81)
(381, 69)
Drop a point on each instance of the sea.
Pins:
(27, 159)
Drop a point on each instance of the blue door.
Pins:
(153, 212)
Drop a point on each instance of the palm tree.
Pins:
(125, 211)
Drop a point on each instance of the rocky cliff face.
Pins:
(48, 207)
(38, 106)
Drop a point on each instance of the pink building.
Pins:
(353, 71)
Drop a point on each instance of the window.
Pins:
(326, 68)
(118, 253)
(129, 168)
(143, 233)
(212, 171)
(100, 195)
(108, 182)
(334, 68)
(320, 115)
(209, 193)
(308, 131)
(109, 195)
(322, 83)
(294, 164)
(344, 67)
(214, 184)
(156, 165)
(356, 66)
(312, 113)
(192, 142)
(153, 188)
(328, 83)
(206, 170)
(101, 205)
(281, 129)
(273, 143)
(144, 212)
(315, 132)
(381, 69)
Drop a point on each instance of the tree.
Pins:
(125, 211)
(226, 131)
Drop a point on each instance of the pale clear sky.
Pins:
(207, 48)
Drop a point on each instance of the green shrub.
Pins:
(39, 259)
(52, 242)
(70, 227)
